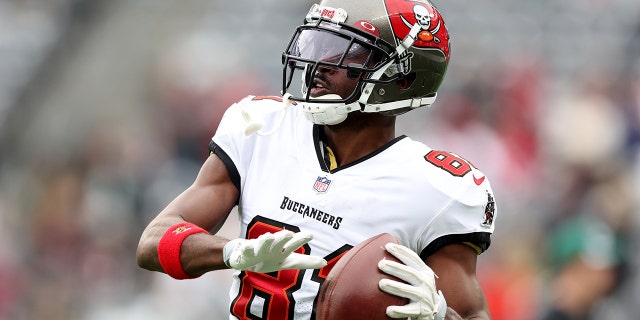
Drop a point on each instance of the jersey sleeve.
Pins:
(230, 144)
(234, 141)
(467, 217)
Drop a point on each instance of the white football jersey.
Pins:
(426, 198)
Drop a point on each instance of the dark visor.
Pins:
(320, 45)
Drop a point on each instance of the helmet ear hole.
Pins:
(406, 81)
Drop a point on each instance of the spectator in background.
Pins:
(586, 259)
(592, 209)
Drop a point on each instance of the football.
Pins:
(351, 290)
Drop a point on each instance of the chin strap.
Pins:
(327, 113)
(411, 103)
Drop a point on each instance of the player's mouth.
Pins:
(319, 88)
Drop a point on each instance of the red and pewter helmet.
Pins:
(403, 48)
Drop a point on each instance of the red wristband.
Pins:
(169, 249)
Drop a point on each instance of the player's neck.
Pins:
(359, 135)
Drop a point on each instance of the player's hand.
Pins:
(271, 252)
(425, 302)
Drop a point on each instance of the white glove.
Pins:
(425, 303)
(271, 252)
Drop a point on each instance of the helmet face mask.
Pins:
(396, 51)
(323, 45)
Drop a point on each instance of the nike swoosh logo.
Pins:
(478, 181)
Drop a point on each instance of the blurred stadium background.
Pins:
(106, 109)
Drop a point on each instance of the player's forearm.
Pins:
(202, 253)
(199, 253)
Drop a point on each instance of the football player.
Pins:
(321, 168)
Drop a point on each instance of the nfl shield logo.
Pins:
(321, 185)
